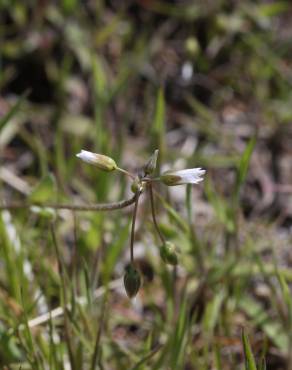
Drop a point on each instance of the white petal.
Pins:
(187, 176)
(191, 175)
(103, 162)
(86, 156)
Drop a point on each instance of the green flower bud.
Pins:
(103, 162)
(132, 281)
(168, 254)
(137, 186)
(150, 166)
(192, 46)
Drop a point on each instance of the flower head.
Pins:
(101, 161)
(188, 176)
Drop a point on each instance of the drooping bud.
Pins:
(150, 166)
(188, 176)
(168, 254)
(103, 162)
(132, 281)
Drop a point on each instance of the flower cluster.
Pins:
(145, 179)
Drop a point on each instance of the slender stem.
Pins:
(76, 207)
(59, 311)
(61, 269)
(153, 213)
(125, 172)
(74, 256)
(148, 356)
(192, 233)
(96, 352)
(133, 226)
(151, 179)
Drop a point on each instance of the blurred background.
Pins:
(208, 84)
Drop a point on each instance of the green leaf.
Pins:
(146, 358)
(220, 206)
(243, 165)
(100, 80)
(13, 111)
(158, 127)
(272, 328)
(262, 365)
(45, 190)
(249, 358)
(9, 350)
(114, 250)
(273, 9)
(158, 124)
(100, 89)
(179, 338)
(286, 294)
(212, 312)
(175, 216)
(69, 5)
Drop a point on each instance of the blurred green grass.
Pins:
(209, 86)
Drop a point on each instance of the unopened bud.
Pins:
(168, 254)
(132, 281)
(137, 186)
(192, 46)
(150, 166)
(103, 162)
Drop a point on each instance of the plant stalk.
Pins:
(137, 195)
(153, 213)
(76, 207)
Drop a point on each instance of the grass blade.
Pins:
(249, 358)
(14, 110)
(158, 128)
(243, 166)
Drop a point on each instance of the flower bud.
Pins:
(192, 46)
(150, 166)
(168, 254)
(101, 161)
(132, 281)
(188, 176)
(137, 186)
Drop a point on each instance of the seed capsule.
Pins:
(168, 254)
(132, 281)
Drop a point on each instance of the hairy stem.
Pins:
(125, 172)
(133, 226)
(74, 207)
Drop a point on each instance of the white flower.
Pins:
(101, 161)
(188, 176)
